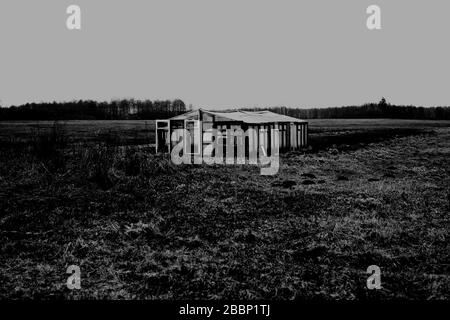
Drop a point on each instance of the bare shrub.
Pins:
(158, 164)
(48, 146)
(137, 162)
(98, 163)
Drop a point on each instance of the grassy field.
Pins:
(134, 132)
(365, 124)
(368, 192)
(81, 131)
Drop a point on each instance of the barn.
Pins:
(293, 132)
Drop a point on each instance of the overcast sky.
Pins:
(226, 53)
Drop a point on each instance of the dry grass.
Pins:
(140, 227)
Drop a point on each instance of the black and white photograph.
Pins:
(226, 158)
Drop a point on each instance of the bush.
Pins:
(48, 146)
(137, 162)
(98, 164)
(106, 165)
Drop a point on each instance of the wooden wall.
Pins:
(292, 136)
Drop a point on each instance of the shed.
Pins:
(293, 132)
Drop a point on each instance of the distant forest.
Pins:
(146, 109)
(381, 109)
(92, 110)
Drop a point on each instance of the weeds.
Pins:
(48, 146)
(98, 163)
(141, 227)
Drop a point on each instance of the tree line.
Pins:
(381, 109)
(163, 109)
(92, 110)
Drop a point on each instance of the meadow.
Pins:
(80, 131)
(367, 192)
(139, 132)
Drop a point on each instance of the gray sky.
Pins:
(226, 53)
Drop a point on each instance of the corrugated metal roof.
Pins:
(185, 116)
(251, 117)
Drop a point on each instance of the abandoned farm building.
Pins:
(293, 132)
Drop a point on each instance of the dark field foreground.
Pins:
(140, 227)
